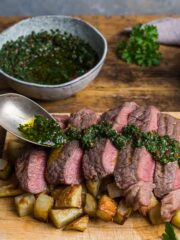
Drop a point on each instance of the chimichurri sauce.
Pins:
(48, 132)
(47, 57)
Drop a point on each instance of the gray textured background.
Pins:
(89, 7)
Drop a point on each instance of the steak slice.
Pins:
(167, 177)
(62, 120)
(65, 163)
(100, 161)
(30, 168)
(135, 166)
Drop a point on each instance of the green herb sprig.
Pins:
(142, 47)
(169, 233)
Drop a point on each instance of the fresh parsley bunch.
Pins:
(142, 47)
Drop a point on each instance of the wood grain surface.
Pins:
(13, 227)
(118, 81)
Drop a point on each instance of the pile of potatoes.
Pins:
(70, 207)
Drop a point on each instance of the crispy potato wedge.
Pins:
(176, 219)
(42, 206)
(123, 212)
(113, 190)
(145, 209)
(24, 204)
(70, 196)
(106, 209)
(10, 190)
(93, 187)
(155, 215)
(79, 224)
(14, 148)
(90, 205)
(61, 217)
(5, 169)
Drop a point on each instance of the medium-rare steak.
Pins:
(30, 168)
(64, 164)
(135, 166)
(167, 177)
(61, 119)
(100, 161)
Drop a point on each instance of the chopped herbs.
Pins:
(47, 57)
(169, 233)
(141, 48)
(48, 132)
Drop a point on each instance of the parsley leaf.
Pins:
(169, 233)
(142, 47)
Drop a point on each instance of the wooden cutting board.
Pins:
(13, 227)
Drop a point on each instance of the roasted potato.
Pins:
(70, 196)
(79, 224)
(5, 169)
(155, 215)
(176, 219)
(55, 193)
(93, 187)
(104, 183)
(106, 209)
(90, 205)
(61, 217)
(24, 204)
(83, 197)
(14, 148)
(123, 212)
(42, 206)
(113, 190)
(145, 209)
(10, 190)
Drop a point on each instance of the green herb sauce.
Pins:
(48, 132)
(47, 57)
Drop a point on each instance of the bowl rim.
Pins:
(73, 80)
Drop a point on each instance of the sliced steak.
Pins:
(100, 161)
(135, 167)
(167, 177)
(30, 168)
(61, 119)
(64, 164)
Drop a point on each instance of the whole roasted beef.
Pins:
(30, 169)
(100, 161)
(167, 177)
(135, 166)
(65, 163)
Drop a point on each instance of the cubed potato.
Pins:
(10, 190)
(42, 206)
(61, 217)
(24, 204)
(90, 205)
(113, 190)
(123, 212)
(93, 187)
(79, 224)
(104, 183)
(70, 196)
(106, 209)
(5, 169)
(14, 148)
(83, 197)
(155, 215)
(145, 209)
(176, 219)
(55, 193)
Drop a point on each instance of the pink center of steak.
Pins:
(62, 120)
(72, 172)
(30, 168)
(109, 157)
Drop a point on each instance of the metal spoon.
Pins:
(16, 109)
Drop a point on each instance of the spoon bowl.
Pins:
(16, 109)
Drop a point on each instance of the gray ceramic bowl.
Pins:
(64, 23)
